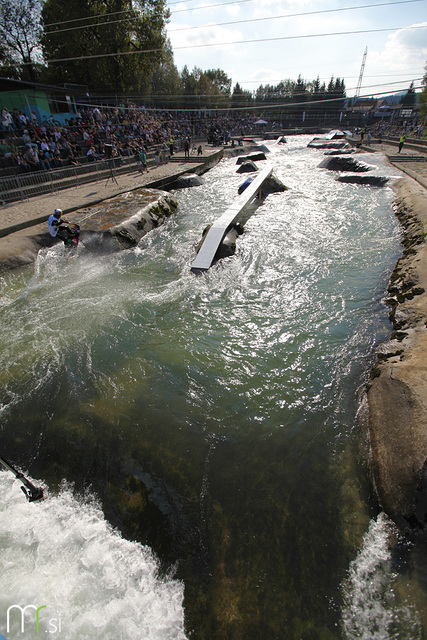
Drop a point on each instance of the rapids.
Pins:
(203, 439)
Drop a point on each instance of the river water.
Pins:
(202, 439)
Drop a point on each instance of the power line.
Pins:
(95, 24)
(114, 13)
(284, 16)
(235, 42)
(293, 15)
(378, 75)
(284, 105)
(207, 95)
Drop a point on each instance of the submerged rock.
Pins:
(227, 247)
(189, 180)
(373, 181)
(339, 152)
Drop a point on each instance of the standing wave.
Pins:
(62, 555)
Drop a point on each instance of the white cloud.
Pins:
(404, 49)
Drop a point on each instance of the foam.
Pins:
(62, 553)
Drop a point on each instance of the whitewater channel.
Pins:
(202, 439)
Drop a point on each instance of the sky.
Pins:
(222, 34)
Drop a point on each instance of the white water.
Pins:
(370, 611)
(265, 340)
(62, 554)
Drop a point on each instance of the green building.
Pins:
(47, 101)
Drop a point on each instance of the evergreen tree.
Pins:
(422, 98)
(240, 97)
(409, 100)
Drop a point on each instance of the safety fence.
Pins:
(26, 185)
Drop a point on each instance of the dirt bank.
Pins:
(397, 392)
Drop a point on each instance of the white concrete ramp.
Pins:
(220, 228)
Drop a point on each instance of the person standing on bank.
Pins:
(54, 223)
(401, 141)
(186, 149)
(143, 159)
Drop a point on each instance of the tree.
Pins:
(166, 84)
(220, 81)
(106, 44)
(20, 31)
(240, 97)
(422, 98)
(409, 99)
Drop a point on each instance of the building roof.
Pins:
(12, 84)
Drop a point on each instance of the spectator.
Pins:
(24, 120)
(15, 119)
(91, 155)
(22, 162)
(30, 159)
(28, 140)
(6, 120)
(5, 152)
(44, 163)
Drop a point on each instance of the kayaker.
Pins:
(54, 225)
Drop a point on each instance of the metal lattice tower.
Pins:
(359, 82)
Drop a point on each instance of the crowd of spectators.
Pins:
(98, 133)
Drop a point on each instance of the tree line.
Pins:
(120, 48)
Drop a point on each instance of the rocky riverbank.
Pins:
(397, 391)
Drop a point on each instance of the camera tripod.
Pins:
(111, 177)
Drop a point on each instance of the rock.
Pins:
(247, 167)
(130, 232)
(373, 181)
(252, 156)
(397, 391)
(324, 143)
(343, 163)
(227, 247)
(339, 152)
(188, 180)
(273, 185)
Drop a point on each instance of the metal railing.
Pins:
(26, 185)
